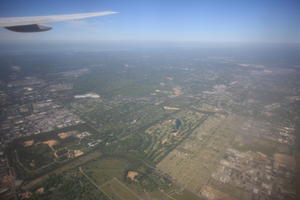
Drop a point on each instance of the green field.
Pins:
(104, 169)
(118, 191)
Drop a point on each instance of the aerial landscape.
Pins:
(150, 124)
(155, 101)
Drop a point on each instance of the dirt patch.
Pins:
(40, 191)
(6, 180)
(28, 143)
(32, 163)
(132, 175)
(177, 91)
(64, 135)
(25, 195)
(214, 194)
(77, 153)
(163, 141)
(284, 160)
(50, 143)
(171, 108)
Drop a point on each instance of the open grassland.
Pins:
(117, 190)
(180, 101)
(103, 170)
(185, 194)
(256, 137)
(109, 175)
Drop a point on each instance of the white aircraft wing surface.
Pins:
(34, 24)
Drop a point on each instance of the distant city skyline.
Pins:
(267, 21)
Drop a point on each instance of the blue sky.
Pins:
(275, 21)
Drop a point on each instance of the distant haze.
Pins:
(268, 21)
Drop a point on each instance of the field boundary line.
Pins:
(93, 183)
(127, 188)
(168, 195)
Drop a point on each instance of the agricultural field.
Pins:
(126, 176)
(262, 136)
(107, 177)
(192, 162)
(117, 190)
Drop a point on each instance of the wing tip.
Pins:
(109, 12)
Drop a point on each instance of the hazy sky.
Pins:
(163, 20)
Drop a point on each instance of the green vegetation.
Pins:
(68, 186)
(164, 136)
(39, 154)
(117, 190)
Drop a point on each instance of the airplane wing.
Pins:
(35, 24)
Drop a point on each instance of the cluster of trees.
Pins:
(68, 187)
